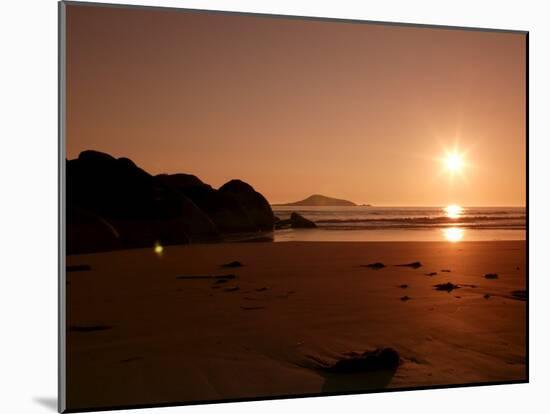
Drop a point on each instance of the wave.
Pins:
(424, 220)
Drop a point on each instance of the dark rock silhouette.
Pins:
(258, 211)
(414, 265)
(375, 266)
(113, 204)
(491, 276)
(232, 264)
(519, 295)
(236, 207)
(296, 221)
(378, 359)
(320, 200)
(447, 287)
(299, 221)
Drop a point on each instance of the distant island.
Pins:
(320, 200)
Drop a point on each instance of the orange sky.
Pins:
(296, 107)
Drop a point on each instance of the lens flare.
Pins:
(158, 248)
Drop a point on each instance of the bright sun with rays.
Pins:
(454, 162)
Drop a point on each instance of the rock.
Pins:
(375, 266)
(180, 181)
(404, 298)
(431, 274)
(519, 294)
(414, 265)
(115, 205)
(491, 276)
(232, 264)
(447, 287)
(298, 221)
(486, 296)
(403, 286)
(89, 233)
(445, 270)
(235, 208)
(377, 360)
(256, 206)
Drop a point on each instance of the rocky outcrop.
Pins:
(234, 208)
(114, 204)
(296, 221)
(258, 211)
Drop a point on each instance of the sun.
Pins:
(454, 162)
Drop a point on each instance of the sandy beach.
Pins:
(147, 328)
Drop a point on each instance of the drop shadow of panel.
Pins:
(356, 382)
(48, 402)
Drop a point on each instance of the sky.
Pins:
(363, 112)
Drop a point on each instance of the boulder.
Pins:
(108, 196)
(257, 208)
(298, 221)
(295, 221)
(234, 208)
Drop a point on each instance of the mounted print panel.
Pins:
(259, 207)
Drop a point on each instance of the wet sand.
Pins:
(148, 329)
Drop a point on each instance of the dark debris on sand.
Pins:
(431, 274)
(375, 266)
(414, 265)
(404, 286)
(262, 289)
(232, 264)
(519, 294)
(232, 289)
(79, 268)
(486, 296)
(446, 270)
(89, 328)
(447, 287)
(404, 298)
(376, 360)
(491, 276)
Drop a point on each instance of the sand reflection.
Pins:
(453, 234)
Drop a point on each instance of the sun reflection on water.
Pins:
(453, 234)
(453, 211)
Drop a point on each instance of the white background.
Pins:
(28, 203)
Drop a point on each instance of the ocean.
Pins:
(362, 223)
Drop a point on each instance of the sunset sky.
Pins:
(295, 107)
